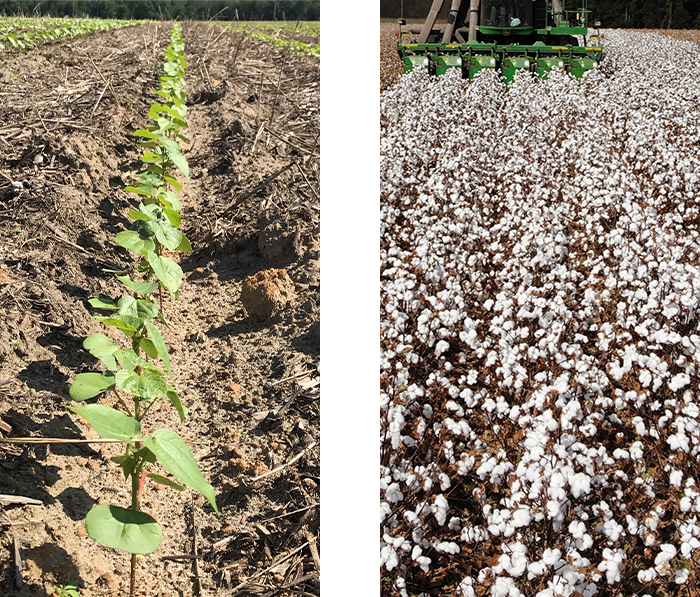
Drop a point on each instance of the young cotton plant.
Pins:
(158, 218)
(140, 374)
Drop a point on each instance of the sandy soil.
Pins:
(252, 387)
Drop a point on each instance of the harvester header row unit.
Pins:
(535, 35)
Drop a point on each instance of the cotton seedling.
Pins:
(140, 374)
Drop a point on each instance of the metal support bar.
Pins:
(473, 18)
(430, 21)
(451, 20)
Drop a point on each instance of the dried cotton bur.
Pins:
(539, 330)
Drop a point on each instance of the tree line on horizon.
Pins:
(225, 10)
(634, 14)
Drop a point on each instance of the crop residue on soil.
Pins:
(251, 383)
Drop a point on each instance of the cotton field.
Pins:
(540, 289)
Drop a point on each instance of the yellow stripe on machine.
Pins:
(594, 49)
(559, 48)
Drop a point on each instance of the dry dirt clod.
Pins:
(280, 240)
(266, 292)
(235, 389)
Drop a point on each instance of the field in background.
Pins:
(540, 338)
(251, 208)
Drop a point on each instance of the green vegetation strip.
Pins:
(13, 34)
(257, 31)
(140, 373)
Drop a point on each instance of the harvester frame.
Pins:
(534, 35)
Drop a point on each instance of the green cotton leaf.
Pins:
(180, 109)
(146, 454)
(172, 182)
(166, 95)
(156, 109)
(185, 245)
(146, 134)
(138, 287)
(182, 137)
(153, 211)
(129, 360)
(159, 345)
(126, 530)
(144, 266)
(170, 199)
(173, 216)
(137, 215)
(176, 157)
(148, 386)
(173, 453)
(110, 423)
(156, 170)
(117, 322)
(151, 158)
(167, 271)
(167, 235)
(175, 401)
(142, 190)
(148, 347)
(101, 347)
(165, 481)
(127, 464)
(89, 385)
(104, 304)
(164, 125)
(135, 241)
(173, 70)
(136, 312)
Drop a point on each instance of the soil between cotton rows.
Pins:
(66, 113)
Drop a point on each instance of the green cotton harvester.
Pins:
(534, 35)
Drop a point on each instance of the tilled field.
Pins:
(540, 292)
(252, 386)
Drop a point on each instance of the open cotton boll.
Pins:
(440, 509)
(505, 587)
(675, 477)
(611, 565)
(447, 547)
(577, 529)
(466, 587)
(679, 381)
(521, 517)
(681, 576)
(551, 556)
(647, 575)
(667, 553)
(388, 558)
(580, 484)
(393, 493)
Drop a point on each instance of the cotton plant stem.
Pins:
(137, 480)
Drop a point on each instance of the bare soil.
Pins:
(66, 113)
(390, 67)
